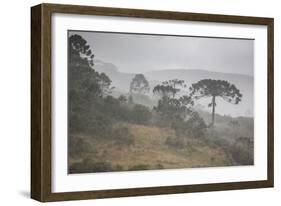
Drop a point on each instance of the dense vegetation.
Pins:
(101, 126)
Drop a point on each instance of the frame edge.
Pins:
(157, 14)
(270, 92)
(36, 138)
(41, 97)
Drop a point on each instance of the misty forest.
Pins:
(162, 119)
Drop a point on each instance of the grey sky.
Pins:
(133, 53)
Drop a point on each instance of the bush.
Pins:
(122, 136)
(239, 151)
(175, 142)
(89, 121)
(88, 166)
(118, 168)
(196, 126)
(159, 166)
(242, 151)
(122, 99)
(140, 114)
(78, 146)
(170, 111)
(140, 167)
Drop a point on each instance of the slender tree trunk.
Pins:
(213, 110)
(174, 91)
(130, 100)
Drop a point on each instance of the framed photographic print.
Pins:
(130, 102)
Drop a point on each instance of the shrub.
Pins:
(159, 166)
(242, 151)
(140, 167)
(89, 121)
(170, 111)
(122, 136)
(175, 142)
(196, 126)
(78, 146)
(122, 99)
(88, 166)
(140, 114)
(118, 168)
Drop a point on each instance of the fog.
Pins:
(133, 53)
(191, 59)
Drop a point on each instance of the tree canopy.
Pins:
(215, 88)
(176, 84)
(79, 49)
(139, 84)
(163, 90)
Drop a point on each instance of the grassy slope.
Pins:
(150, 149)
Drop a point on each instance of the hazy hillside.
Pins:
(243, 82)
(119, 80)
(150, 151)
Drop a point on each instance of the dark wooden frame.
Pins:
(41, 101)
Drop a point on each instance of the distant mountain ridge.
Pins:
(195, 73)
(244, 83)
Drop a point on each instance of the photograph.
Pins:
(140, 101)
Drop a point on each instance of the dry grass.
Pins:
(150, 149)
